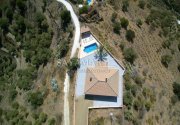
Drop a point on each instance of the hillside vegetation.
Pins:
(144, 35)
(32, 39)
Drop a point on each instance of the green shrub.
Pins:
(130, 55)
(138, 80)
(15, 105)
(128, 99)
(130, 35)
(176, 89)
(128, 115)
(113, 17)
(12, 94)
(134, 89)
(125, 5)
(122, 45)
(179, 46)
(43, 117)
(73, 64)
(148, 105)
(142, 4)
(137, 104)
(35, 98)
(66, 18)
(167, 44)
(139, 22)
(51, 121)
(166, 59)
(178, 67)
(83, 10)
(124, 22)
(117, 27)
(4, 24)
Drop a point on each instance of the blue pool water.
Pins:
(89, 2)
(90, 48)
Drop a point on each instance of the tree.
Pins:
(166, 59)
(51, 121)
(178, 67)
(9, 14)
(63, 49)
(21, 4)
(83, 10)
(43, 117)
(176, 89)
(139, 22)
(117, 27)
(130, 35)
(125, 5)
(4, 24)
(179, 46)
(39, 18)
(124, 22)
(113, 17)
(128, 115)
(129, 55)
(128, 99)
(12, 94)
(142, 4)
(73, 64)
(66, 18)
(101, 54)
(35, 98)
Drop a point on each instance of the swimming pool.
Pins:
(89, 2)
(90, 48)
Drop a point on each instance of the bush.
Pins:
(124, 22)
(128, 115)
(130, 55)
(63, 49)
(130, 35)
(15, 105)
(137, 104)
(12, 94)
(113, 17)
(51, 121)
(117, 27)
(179, 46)
(73, 64)
(166, 44)
(176, 89)
(66, 18)
(4, 24)
(148, 105)
(83, 10)
(139, 22)
(122, 45)
(35, 98)
(125, 5)
(165, 60)
(142, 4)
(178, 67)
(138, 80)
(43, 117)
(128, 99)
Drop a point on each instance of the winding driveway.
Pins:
(73, 51)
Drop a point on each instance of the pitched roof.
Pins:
(102, 80)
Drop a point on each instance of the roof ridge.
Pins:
(94, 83)
(110, 86)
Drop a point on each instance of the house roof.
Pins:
(102, 80)
(85, 29)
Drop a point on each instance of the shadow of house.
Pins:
(101, 98)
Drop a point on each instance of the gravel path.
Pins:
(73, 51)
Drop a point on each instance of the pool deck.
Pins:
(85, 42)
